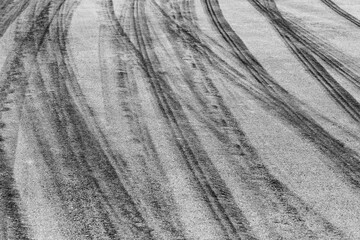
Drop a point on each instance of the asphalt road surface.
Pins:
(179, 119)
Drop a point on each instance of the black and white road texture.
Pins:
(179, 119)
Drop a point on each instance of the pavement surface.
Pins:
(179, 119)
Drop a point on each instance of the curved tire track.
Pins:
(87, 186)
(343, 159)
(213, 189)
(93, 187)
(303, 50)
(342, 12)
(255, 175)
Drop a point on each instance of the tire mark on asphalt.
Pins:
(87, 175)
(101, 205)
(343, 159)
(9, 11)
(327, 53)
(141, 149)
(304, 53)
(341, 12)
(14, 224)
(219, 119)
(213, 189)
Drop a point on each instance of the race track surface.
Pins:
(179, 119)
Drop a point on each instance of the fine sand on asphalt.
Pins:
(179, 119)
